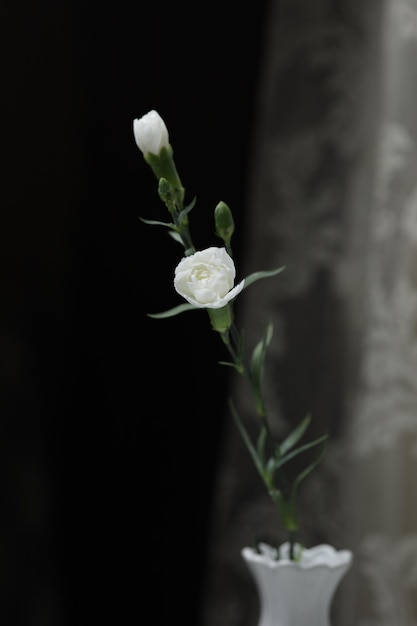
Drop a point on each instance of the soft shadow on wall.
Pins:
(109, 447)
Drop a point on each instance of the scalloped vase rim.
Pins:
(321, 555)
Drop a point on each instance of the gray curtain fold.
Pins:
(333, 197)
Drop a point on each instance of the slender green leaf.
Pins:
(228, 363)
(261, 443)
(259, 354)
(156, 223)
(188, 208)
(271, 467)
(246, 439)
(306, 472)
(252, 278)
(295, 436)
(175, 311)
(175, 236)
(239, 340)
(300, 450)
(274, 462)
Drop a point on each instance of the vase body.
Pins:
(296, 593)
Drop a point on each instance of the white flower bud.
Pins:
(151, 134)
(205, 279)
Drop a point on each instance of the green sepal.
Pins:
(252, 278)
(221, 319)
(175, 311)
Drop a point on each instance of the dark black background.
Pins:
(111, 421)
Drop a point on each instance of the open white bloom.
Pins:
(151, 134)
(206, 278)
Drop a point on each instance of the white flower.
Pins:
(151, 134)
(205, 279)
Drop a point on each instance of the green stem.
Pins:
(283, 502)
(163, 166)
(184, 233)
(241, 361)
(292, 542)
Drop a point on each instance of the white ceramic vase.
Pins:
(296, 593)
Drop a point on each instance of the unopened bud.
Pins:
(151, 133)
(223, 219)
